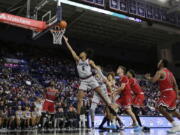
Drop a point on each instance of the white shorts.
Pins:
(96, 99)
(91, 83)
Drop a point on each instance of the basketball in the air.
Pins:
(63, 24)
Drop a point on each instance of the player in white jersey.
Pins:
(102, 80)
(84, 65)
(116, 123)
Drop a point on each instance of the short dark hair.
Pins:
(89, 52)
(123, 68)
(165, 62)
(112, 74)
(132, 72)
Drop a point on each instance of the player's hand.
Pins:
(115, 93)
(147, 76)
(65, 39)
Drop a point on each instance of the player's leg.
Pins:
(176, 114)
(38, 118)
(94, 85)
(136, 112)
(83, 87)
(166, 101)
(51, 110)
(80, 97)
(112, 118)
(18, 121)
(44, 114)
(166, 114)
(95, 100)
(33, 120)
(28, 122)
(105, 119)
(121, 125)
(166, 106)
(11, 120)
(132, 115)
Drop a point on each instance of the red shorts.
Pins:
(49, 106)
(168, 99)
(124, 101)
(138, 100)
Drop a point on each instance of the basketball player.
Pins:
(84, 65)
(27, 116)
(38, 111)
(49, 103)
(125, 100)
(116, 123)
(19, 117)
(138, 96)
(111, 82)
(102, 80)
(168, 93)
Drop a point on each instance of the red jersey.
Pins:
(167, 82)
(51, 94)
(127, 89)
(135, 87)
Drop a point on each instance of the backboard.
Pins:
(49, 11)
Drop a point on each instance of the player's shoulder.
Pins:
(124, 78)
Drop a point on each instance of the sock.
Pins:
(119, 121)
(136, 111)
(92, 124)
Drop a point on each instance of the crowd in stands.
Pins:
(22, 84)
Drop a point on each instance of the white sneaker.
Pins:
(174, 129)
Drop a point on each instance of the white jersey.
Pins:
(84, 68)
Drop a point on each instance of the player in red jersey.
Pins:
(125, 100)
(138, 96)
(168, 93)
(49, 104)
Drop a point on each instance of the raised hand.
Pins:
(147, 76)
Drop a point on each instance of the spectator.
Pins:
(59, 118)
(19, 117)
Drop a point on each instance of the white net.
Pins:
(57, 33)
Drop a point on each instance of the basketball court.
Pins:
(154, 131)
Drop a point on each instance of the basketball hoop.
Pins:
(57, 33)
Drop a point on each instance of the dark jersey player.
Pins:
(49, 104)
(125, 100)
(168, 93)
(138, 96)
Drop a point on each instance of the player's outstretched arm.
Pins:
(75, 56)
(155, 78)
(93, 64)
(121, 88)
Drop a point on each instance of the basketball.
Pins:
(63, 24)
